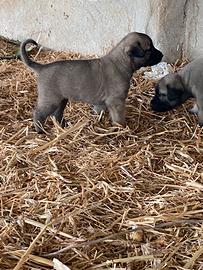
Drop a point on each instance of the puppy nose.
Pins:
(153, 103)
(159, 54)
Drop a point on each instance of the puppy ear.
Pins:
(135, 51)
(175, 91)
(178, 82)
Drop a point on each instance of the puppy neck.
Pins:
(186, 82)
(122, 63)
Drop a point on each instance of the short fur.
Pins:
(174, 89)
(102, 82)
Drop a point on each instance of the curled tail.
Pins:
(24, 56)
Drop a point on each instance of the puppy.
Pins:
(174, 89)
(102, 82)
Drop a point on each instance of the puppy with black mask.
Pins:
(174, 89)
(102, 82)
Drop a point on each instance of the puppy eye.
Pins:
(172, 97)
(174, 94)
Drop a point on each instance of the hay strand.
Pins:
(25, 256)
(112, 198)
(124, 260)
(195, 256)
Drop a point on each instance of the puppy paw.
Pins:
(120, 124)
(64, 123)
(200, 123)
(39, 128)
(99, 108)
(194, 109)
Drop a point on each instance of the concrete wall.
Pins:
(94, 26)
(193, 46)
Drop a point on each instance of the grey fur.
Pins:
(174, 89)
(102, 82)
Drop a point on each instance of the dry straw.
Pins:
(105, 198)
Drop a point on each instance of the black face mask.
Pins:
(156, 57)
(159, 106)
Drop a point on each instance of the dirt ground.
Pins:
(93, 196)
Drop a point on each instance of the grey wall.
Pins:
(193, 45)
(94, 26)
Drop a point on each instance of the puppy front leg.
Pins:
(116, 108)
(99, 108)
(200, 117)
(200, 110)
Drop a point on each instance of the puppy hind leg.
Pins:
(116, 108)
(40, 115)
(58, 113)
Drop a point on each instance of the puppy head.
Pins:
(139, 47)
(169, 93)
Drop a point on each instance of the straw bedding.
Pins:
(93, 196)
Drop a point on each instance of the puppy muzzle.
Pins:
(156, 57)
(159, 106)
